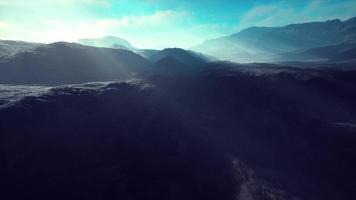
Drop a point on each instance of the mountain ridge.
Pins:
(260, 43)
(63, 62)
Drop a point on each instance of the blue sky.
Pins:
(157, 23)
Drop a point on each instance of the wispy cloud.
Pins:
(159, 18)
(282, 13)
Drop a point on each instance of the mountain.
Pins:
(259, 132)
(108, 41)
(259, 44)
(8, 47)
(171, 66)
(61, 62)
(184, 56)
(176, 61)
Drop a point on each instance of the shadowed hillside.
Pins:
(61, 63)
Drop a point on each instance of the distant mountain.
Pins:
(8, 47)
(62, 62)
(108, 41)
(261, 43)
(116, 43)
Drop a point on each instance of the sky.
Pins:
(156, 23)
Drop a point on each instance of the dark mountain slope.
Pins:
(60, 63)
(170, 65)
(176, 61)
(184, 56)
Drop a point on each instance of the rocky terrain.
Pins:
(243, 133)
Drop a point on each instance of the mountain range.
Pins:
(113, 58)
(317, 41)
(60, 63)
(63, 63)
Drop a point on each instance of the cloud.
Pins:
(159, 18)
(3, 25)
(4, 28)
(282, 13)
(166, 28)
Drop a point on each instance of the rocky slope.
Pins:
(248, 133)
